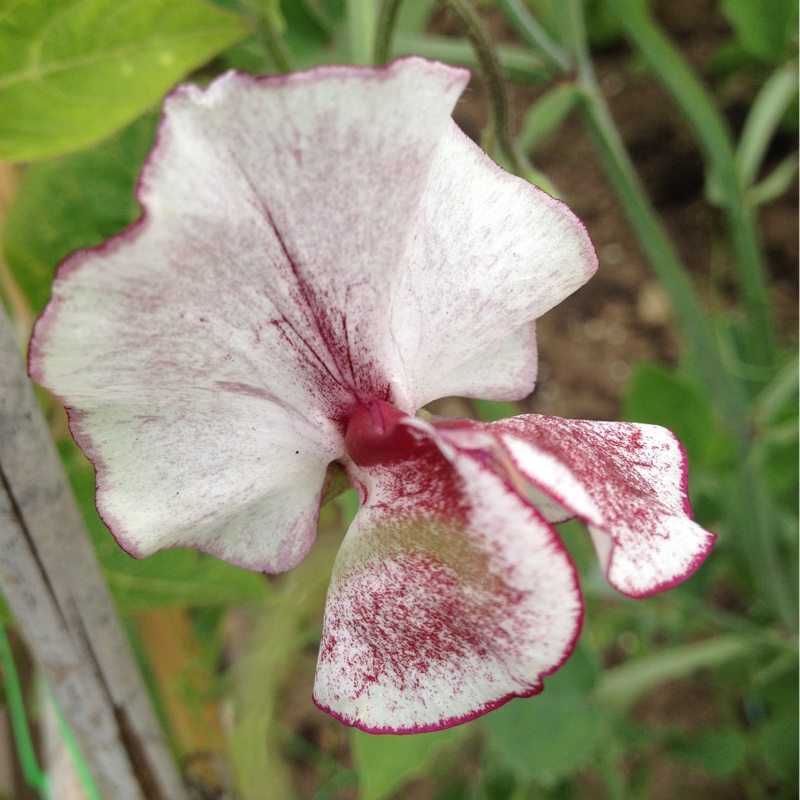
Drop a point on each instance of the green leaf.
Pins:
(492, 410)
(762, 121)
(775, 184)
(622, 685)
(720, 752)
(173, 577)
(549, 735)
(660, 397)
(385, 762)
(763, 27)
(74, 71)
(72, 202)
(547, 114)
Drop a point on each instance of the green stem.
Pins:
(384, 30)
(694, 323)
(492, 71)
(709, 367)
(531, 32)
(718, 147)
(698, 333)
(361, 30)
(20, 730)
(269, 36)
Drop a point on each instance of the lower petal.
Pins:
(450, 596)
(636, 476)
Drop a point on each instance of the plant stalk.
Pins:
(270, 38)
(531, 32)
(492, 72)
(706, 359)
(361, 19)
(717, 144)
(384, 30)
(692, 319)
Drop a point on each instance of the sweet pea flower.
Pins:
(319, 256)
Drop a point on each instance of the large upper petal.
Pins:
(210, 354)
(450, 595)
(627, 481)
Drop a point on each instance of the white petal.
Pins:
(491, 253)
(538, 477)
(220, 476)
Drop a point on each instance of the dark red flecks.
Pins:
(637, 477)
(437, 611)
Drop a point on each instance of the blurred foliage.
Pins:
(72, 72)
(763, 29)
(384, 763)
(78, 83)
(602, 27)
(89, 196)
(549, 739)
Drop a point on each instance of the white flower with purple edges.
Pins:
(319, 256)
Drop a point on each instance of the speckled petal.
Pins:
(636, 477)
(450, 595)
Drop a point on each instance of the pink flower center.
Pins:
(374, 436)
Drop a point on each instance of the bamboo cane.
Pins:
(52, 582)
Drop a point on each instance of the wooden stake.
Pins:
(52, 582)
